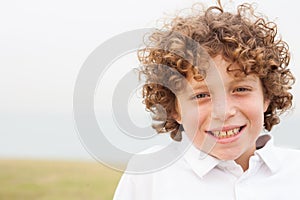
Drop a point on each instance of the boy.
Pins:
(226, 80)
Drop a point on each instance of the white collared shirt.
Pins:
(273, 173)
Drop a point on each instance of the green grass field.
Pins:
(55, 180)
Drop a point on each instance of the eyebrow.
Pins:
(244, 79)
(200, 86)
(204, 85)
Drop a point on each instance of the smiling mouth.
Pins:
(227, 133)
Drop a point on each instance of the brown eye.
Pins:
(201, 96)
(241, 89)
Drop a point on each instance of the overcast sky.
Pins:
(43, 45)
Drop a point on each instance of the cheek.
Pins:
(254, 113)
(193, 118)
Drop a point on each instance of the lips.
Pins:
(225, 133)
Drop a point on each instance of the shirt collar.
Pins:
(202, 163)
(267, 152)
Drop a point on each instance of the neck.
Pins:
(243, 160)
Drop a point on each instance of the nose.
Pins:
(223, 108)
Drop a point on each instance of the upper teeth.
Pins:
(225, 133)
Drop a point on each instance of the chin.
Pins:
(227, 155)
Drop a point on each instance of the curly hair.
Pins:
(243, 38)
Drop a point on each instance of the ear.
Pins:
(266, 104)
(177, 116)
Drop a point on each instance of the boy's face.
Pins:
(223, 114)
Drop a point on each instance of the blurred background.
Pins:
(43, 45)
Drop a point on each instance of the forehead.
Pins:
(214, 66)
(217, 73)
(222, 81)
(221, 72)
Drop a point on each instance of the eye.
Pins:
(241, 89)
(201, 96)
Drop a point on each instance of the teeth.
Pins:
(236, 130)
(230, 132)
(223, 134)
(216, 133)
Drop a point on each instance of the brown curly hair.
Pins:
(243, 38)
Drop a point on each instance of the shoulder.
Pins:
(142, 177)
(156, 162)
(156, 158)
(289, 158)
(287, 153)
